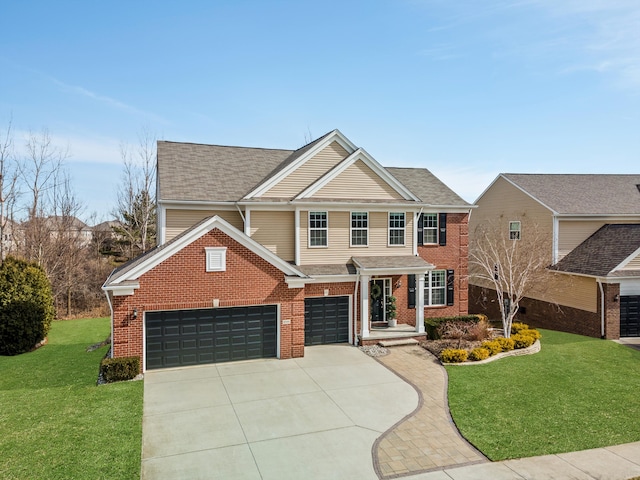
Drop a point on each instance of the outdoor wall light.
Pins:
(398, 283)
(135, 313)
(616, 297)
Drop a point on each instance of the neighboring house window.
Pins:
(430, 228)
(318, 229)
(359, 229)
(435, 288)
(396, 228)
(514, 230)
(216, 259)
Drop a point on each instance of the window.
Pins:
(430, 228)
(216, 259)
(318, 229)
(396, 228)
(514, 230)
(359, 229)
(435, 288)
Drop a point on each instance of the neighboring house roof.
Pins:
(132, 270)
(212, 173)
(582, 194)
(602, 252)
(107, 226)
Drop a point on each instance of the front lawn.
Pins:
(56, 423)
(577, 393)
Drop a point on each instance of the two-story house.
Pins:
(263, 251)
(591, 231)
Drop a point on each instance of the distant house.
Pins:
(592, 229)
(265, 251)
(69, 227)
(10, 236)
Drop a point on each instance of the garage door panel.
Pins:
(630, 316)
(326, 320)
(190, 337)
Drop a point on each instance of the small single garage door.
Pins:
(630, 316)
(191, 337)
(326, 320)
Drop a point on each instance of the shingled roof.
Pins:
(603, 251)
(214, 173)
(582, 194)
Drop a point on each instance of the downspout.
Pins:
(244, 221)
(355, 311)
(602, 303)
(106, 292)
(415, 232)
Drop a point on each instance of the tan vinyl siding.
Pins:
(177, 221)
(358, 181)
(339, 251)
(572, 233)
(309, 172)
(633, 264)
(275, 231)
(572, 291)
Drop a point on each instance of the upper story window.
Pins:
(435, 288)
(396, 228)
(359, 229)
(430, 228)
(514, 230)
(318, 229)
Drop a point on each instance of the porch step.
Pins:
(398, 342)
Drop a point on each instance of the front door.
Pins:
(380, 290)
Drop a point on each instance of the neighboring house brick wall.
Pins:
(180, 282)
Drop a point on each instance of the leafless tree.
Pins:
(511, 267)
(136, 208)
(8, 190)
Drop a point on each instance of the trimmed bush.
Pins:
(26, 306)
(119, 369)
(453, 355)
(506, 343)
(531, 332)
(492, 346)
(478, 354)
(516, 327)
(431, 324)
(522, 341)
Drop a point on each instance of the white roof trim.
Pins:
(369, 161)
(196, 233)
(626, 261)
(334, 136)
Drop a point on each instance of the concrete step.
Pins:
(398, 342)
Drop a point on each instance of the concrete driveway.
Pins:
(312, 417)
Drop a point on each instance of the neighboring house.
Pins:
(9, 236)
(592, 227)
(70, 227)
(262, 252)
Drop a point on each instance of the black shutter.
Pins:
(450, 287)
(412, 290)
(420, 230)
(442, 223)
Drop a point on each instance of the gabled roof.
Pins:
(137, 267)
(582, 194)
(198, 173)
(604, 251)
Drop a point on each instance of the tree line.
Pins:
(40, 217)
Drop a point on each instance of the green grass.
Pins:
(577, 393)
(55, 423)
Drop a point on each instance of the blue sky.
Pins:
(466, 88)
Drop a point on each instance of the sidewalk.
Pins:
(426, 445)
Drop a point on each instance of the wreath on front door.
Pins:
(376, 291)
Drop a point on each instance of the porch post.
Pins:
(364, 306)
(420, 303)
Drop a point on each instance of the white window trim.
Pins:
(404, 229)
(436, 228)
(351, 229)
(221, 252)
(519, 230)
(326, 229)
(428, 289)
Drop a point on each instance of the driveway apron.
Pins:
(312, 417)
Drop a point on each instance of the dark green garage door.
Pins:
(191, 337)
(630, 316)
(326, 320)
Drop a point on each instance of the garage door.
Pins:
(326, 320)
(630, 316)
(191, 337)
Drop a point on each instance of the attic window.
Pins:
(216, 258)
